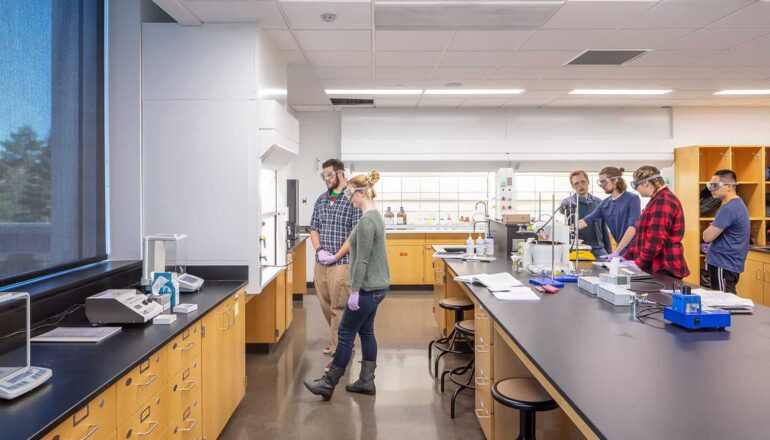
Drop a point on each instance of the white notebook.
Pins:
(522, 293)
(77, 334)
(497, 282)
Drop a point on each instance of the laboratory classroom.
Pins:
(384, 219)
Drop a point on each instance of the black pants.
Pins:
(722, 279)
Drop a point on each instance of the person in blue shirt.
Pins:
(598, 237)
(729, 234)
(619, 211)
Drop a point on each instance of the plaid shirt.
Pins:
(657, 244)
(334, 222)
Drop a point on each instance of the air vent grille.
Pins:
(606, 57)
(351, 102)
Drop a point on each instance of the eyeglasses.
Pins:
(602, 182)
(327, 176)
(348, 191)
(580, 182)
(714, 186)
(635, 184)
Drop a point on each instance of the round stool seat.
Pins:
(461, 304)
(468, 326)
(524, 394)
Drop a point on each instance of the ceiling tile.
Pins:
(508, 83)
(421, 73)
(484, 102)
(716, 39)
(313, 108)
(339, 59)
(564, 40)
(684, 15)
(641, 38)
(736, 57)
(282, 39)
(395, 102)
(541, 58)
(462, 72)
(429, 102)
(399, 83)
(472, 59)
(293, 57)
(466, 84)
(522, 101)
(571, 102)
(334, 40)
(307, 15)
(488, 40)
(748, 73)
(597, 14)
(671, 57)
(264, 12)
(407, 59)
(347, 83)
(412, 40)
(756, 16)
(343, 73)
(690, 72)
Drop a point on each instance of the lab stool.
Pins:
(526, 395)
(468, 329)
(454, 339)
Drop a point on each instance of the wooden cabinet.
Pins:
(223, 363)
(289, 309)
(137, 387)
(406, 264)
(483, 372)
(183, 397)
(755, 282)
(269, 313)
(148, 422)
(439, 293)
(183, 349)
(96, 420)
(299, 268)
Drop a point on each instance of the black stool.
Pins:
(526, 395)
(453, 339)
(468, 329)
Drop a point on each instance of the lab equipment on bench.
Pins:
(18, 376)
(186, 308)
(686, 311)
(166, 284)
(121, 306)
(167, 253)
(615, 295)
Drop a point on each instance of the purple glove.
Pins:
(353, 300)
(611, 256)
(326, 257)
(631, 264)
(704, 247)
(568, 202)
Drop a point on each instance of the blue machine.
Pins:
(686, 311)
(546, 281)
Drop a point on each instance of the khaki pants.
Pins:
(332, 285)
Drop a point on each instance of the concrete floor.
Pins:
(408, 404)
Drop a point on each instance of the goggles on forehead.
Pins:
(602, 182)
(713, 186)
(348, 191)
(635, 184)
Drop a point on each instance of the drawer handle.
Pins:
(152, 379)
(483, 347)
(482, 412)
(154, 425)
(91, 430)
(482, 381)
(193, 422)
(191, 386)
(189, 346)
(481, 316)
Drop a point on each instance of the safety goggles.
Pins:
(635, 183)
(602, 182)
(327, 176)
(350, 191)
(714, 186)
(579, 183)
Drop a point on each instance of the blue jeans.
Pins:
(359, 322)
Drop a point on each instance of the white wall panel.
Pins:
(722, 126)
(567, 123)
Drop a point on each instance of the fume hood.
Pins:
(278, 135)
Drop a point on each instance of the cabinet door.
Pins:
(406, 264)
(216, 378)
(96, 420)
(753, 281)
(280, 305)
(289, 293)
(148, 422)
(139, 385)
(439, 293)
(238, 340)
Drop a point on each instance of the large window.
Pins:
(52, 205)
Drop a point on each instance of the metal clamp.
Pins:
(154, 425)
(91, 430)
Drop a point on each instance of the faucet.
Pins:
(486, 209)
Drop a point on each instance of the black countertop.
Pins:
(292, 244)
(82, 371)
(632, 380)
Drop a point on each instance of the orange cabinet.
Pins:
(138, 386)
(95, 420)
(406, 264)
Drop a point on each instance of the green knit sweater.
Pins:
(368, 258)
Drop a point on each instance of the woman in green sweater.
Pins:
(369, 282)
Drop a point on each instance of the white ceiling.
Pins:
(696, 47)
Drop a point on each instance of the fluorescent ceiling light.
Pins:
(373, 91)
(744, 92)
(474, 91)
(619, 92)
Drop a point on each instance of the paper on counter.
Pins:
(523, 293)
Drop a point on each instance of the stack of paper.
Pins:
(497, 282)
(722, 300)
(522, 293)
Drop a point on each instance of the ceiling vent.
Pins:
(606, 57)
(352, 102)
(421, 15)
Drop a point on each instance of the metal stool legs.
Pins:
(459, 371)
(451, 340)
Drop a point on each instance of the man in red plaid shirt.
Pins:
(657, 246)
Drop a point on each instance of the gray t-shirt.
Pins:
(729, 250)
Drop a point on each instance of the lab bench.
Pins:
(614, 377)
(182, 380)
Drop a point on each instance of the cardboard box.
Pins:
(516, 219)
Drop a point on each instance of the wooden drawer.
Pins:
(183, 389)
(94, 421)
(148, 422)
(187, 424)
(483, 325)
(183, 349)
(484, 413)
(138, 386)
(484, 372)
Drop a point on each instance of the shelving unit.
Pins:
(749, 163)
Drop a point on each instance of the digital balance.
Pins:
(167, 253)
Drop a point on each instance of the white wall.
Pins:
(721, 126)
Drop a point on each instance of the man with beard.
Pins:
(620, 210)
(334, 217)
(597, 236)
